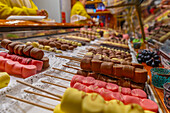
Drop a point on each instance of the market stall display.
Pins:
(89, 70)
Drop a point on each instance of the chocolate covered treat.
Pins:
(27, 50)
(45, 62)
(106, 68)
(58, 45)
(20, 50)
(124, 83)
(12, 45)
(117, 70)
(36, 53)
(140, 75)
(16, 49)
(136, 65)
(46, 42)
(64, 47)
(5, 43)
(52, 44)
(82, 72)
(134, 85)
(96, 64)
(128, 71)
(93, 74)
(71, 47)
(86, 64)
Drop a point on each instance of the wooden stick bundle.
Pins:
(31, 92)
(32, 103)
(40, 89)
(57, 77)
(53, 84)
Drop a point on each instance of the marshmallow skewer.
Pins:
(40, 89)
(28, 102)
(42, 95)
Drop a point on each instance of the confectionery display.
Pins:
(116, 62)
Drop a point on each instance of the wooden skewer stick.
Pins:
(81, 54)
(64, 71)
(71, 67)
(37, 88)
(53, 84)
(57, 77)
(70, 58)
(28, 102)
(42, 95)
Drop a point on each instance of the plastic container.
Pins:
(160, 76)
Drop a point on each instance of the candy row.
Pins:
(89, 85)
(115, 70)
(74, 101)
(121, 82)
(24, 50)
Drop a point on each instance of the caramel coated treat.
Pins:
(12, 45)
(27, 50)
(16, 49)
(140, 75)
(45, 62)
(5, 43)
(36, 53)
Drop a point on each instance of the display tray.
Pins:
(17, 89)
(20, 25)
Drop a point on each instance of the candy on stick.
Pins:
(72, 101)
(28, 102)
(117, 105)
(4, 79)
(93, 103)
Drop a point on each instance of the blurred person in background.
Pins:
(79, 13)
(19, 7)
